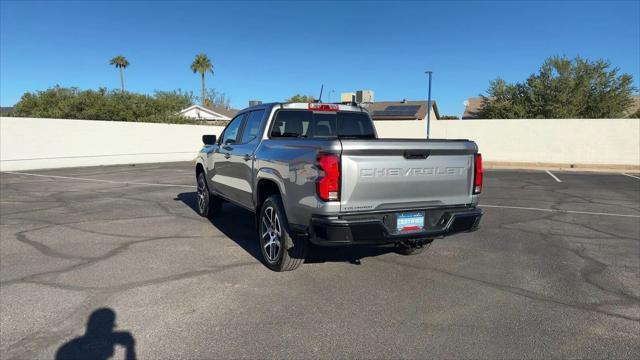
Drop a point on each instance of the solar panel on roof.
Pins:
(398, 110)
(402, 108)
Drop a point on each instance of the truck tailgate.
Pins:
(387, 174)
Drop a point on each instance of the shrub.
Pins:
(72, 103)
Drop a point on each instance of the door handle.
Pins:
(247, 157)
(416, 154)
(227, 155)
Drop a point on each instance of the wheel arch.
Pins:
(268, 181)
(199, 168)
(202, 168)
(265, 187)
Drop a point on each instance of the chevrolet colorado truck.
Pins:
(317, 172)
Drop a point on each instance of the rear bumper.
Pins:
(379, 228)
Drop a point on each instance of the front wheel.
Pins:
(281, 251)
(208, 204)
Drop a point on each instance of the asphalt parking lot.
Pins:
(553, 272)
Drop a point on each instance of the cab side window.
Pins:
(252, 126)
(230, 135)
(291, 123)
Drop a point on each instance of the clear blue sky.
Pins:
(269, 51)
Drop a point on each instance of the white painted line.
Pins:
(558, 211)
(633, 176)
(553, 176)
(97, 180)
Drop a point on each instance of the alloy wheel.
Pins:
(271, 234)
(203, 195)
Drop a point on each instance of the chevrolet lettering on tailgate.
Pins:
(379, 172)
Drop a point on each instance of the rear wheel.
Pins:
(281, 251)
(208, 204)
(413, 247)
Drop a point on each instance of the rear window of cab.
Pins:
(319, 124)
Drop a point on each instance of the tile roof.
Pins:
(381, 106)
(635, 106)
(472, 108)
(230, 112)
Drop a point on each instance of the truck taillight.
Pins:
(477, 175)
(328, 186)
(323, 107)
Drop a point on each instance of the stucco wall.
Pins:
(560, 141)
(28, 143)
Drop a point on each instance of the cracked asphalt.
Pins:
(528, 284)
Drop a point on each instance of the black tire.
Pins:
(207, 204)
(413, 247)
(280, 250)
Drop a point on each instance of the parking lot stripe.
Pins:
(553, 176)
(558, 211)
(97, 180)
(633, 176)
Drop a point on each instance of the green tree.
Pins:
(300, 98)
(201, 64)
(120, 62)
(563, 88)
(448, 117)
(505, 101)
(101, 104)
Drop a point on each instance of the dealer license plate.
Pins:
(410, 221)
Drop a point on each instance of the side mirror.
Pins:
(209, 139)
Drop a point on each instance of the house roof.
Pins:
(472, 108)
(635, 106)
(6, 109)
(230, 112)
(401, 110)
(213, 110)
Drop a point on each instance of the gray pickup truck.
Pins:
(314, 172)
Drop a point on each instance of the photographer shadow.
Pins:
(99, 340)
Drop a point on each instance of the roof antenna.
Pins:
(320, 98)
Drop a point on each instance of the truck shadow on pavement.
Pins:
(99, 340)
(238, 225)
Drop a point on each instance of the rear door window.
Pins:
(291, 123)
(252, 126)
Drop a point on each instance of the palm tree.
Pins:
(201, 64)
(121, 63)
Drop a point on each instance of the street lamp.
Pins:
(429, 72)
(332, 91)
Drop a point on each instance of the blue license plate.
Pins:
(410, 221)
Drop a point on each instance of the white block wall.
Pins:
(561, 141)
(30, 143)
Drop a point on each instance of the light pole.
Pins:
(429, 72)
(332, 91)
